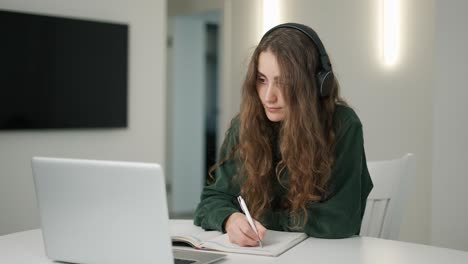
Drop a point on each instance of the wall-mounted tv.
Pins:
(60, 72)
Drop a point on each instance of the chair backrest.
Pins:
(386, 202)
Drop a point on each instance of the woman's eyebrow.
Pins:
(276, 78)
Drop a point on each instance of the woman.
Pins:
(295, 152)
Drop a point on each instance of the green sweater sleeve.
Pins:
(219, 200)
(340, 214)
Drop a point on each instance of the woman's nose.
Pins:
(270, 95)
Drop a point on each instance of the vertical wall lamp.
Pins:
(390, 31)
(270, 14)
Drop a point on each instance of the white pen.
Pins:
(249, 217)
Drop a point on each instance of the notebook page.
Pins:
(185, 230)
(274, 244)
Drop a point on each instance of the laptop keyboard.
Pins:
(183, 261)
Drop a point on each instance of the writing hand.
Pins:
(241, 233)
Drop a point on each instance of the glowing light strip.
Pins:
(390, 29)
(270, 14)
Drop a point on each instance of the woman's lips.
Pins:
(273, 109)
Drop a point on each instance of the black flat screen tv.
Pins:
(60, 72)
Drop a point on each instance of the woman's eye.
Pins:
(261, 80)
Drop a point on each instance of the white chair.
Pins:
(386, 202)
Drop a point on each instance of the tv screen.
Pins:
(62, 73)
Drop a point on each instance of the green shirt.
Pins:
(339, 215)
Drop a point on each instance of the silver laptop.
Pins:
(106, 212)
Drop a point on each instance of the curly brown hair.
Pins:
(306, 137)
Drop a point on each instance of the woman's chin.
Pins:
(275, 117)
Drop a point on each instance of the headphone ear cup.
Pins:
(324, 82)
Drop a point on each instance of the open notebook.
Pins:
(274, 244)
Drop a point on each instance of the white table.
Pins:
(27, 248)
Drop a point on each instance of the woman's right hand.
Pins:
(241, 233)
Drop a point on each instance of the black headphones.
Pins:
(325, 75)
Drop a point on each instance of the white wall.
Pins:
(190, 7)
(143, 140)
(394, 104)
(241, 32)
(450, 167)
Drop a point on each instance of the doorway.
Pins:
(193, 81)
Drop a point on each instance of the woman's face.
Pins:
(268, 87)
